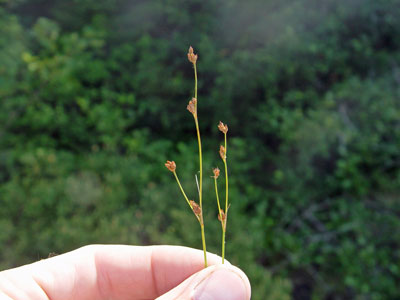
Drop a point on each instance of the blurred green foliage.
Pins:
(93, 97)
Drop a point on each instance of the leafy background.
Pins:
(93, 96)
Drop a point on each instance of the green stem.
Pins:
(226, 177)
(195, 81)
(220, 216)
(203, 238)
(180, 186)
(226, 199)
(200, 160)
(223, 245)
(196, 120)
(201, 168)
(216, 193)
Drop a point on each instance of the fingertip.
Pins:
(216, 282)
(214, 259)
(243, 277)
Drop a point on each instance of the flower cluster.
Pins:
(191, 56)
(216, 172)
(170, 165)
(192, 106)
(223, 127)
(222, 152)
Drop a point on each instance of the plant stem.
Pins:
(216, 193)
(203, 238)
(201, 169)
(200, 162)
(196, 120)
(223, 244)
(226, 177)
(180, 186)
(195, 81)
(226, 200)
(220, 216)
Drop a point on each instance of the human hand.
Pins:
(121, 272)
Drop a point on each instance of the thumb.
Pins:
(218, 282)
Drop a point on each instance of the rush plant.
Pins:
(197, 208)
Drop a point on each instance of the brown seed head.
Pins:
(170, 165)
(196, 208)
(222, 218)
(216, 173)
(222, 152)
(223, 127)
(192, 106)
(222, 215)
(191, 56)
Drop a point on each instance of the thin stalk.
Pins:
(216, 193)
(203, 239)
(198, 136)
(180, 186)
(200, 159)
(220, 216)
(223, 244)
(195, 81)
(201, 168)
(226, 199)
(226, 177)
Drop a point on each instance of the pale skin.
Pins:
(122, 272)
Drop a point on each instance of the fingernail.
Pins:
(221, 284)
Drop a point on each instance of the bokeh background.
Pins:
(93, 102)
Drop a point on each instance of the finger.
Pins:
(154, 270)
(114, 271)
(217, 282)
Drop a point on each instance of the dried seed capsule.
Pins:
(216, 173)
(196, 208)
(222, 152)
(222, 215)
(170, 165)
(223, 127)
(191, 56)
(192, 106)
